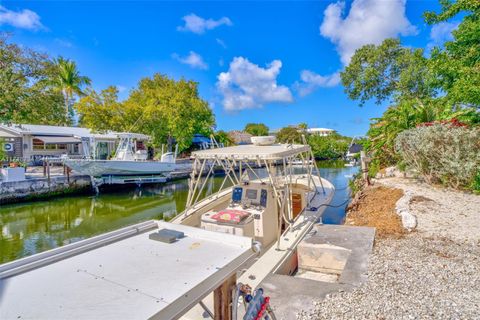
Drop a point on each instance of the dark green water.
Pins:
(33, 227)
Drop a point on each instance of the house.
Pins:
(33, 142)
(323, 132)
(240, 137)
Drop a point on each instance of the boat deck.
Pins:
(281, 250)
(121, 275)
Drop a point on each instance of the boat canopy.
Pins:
(253, 152)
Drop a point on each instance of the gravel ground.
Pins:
(442, 212)
(433, 273)
(412, 278)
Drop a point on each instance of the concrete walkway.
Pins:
(290, 295)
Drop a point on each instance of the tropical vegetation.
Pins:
(420, 87)
(25, 96)
(66, 78)
(159, 106)
(256, 129)
(442, 152)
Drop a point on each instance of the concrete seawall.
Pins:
(39, 188)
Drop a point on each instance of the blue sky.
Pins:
(270, 62)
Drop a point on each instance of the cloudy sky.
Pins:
(271, 62)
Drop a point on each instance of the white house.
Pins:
(323, 132)
(31, 142)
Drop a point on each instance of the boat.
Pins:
(234, 238)
(127, 161)
(276, 210)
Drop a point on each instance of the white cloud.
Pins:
(367, 22)
(63, 43)
(193, 59)
(310, 81)
(199, 25)
(121, 88)
(221, 43)
(246, 85)
(441, 33)
(24, 19)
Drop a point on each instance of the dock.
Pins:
(296, 292)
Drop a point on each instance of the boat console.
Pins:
(252, 212)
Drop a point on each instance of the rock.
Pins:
(402, 207)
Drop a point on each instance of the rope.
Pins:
(329, 205)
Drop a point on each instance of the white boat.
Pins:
(127, 161)
(244, 233)
(276, 210)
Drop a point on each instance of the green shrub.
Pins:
(476, 183)
(333, 146)
(442, 153)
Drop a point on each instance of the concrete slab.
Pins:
(290, 295)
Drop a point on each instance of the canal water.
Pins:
(33, 227)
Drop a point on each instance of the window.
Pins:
(38, 144)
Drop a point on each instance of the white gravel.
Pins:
(430, 274)
(412, 278)
(441, 212)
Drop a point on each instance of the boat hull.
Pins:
(98, 168)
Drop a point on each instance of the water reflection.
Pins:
(34, 227)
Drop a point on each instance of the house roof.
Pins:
(43, 130)
(320, 130)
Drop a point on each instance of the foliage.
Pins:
(3, 154)
(160, 107)
(24, 94)
(384, 130)
(102, 111)
(289, 135)
(224, 138)
(476, 182)
(442, 153)
(67, 79)
(256, 129)
(457, 65)
(333, 146)
(388, 72)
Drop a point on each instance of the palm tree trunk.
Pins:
(66, 99)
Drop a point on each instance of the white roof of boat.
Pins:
(121, 275)
(253, 152)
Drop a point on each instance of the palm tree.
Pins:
(68, 80)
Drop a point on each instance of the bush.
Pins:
(333, 146)
(442, 153)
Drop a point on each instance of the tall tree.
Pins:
(24, 97)
(165, 108)
(256, 129)
(102, 111)
(389, 72)
(289, 135)
(160, 107)
(457, 65)
(66, 78)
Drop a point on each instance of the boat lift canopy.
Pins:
(122, 275)
(238, 161)
(252, 152)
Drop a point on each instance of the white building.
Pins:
(323, 132)
(32, 142)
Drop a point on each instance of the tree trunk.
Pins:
(65, 96)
